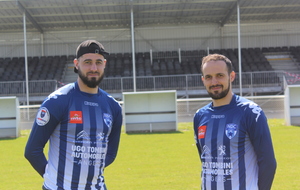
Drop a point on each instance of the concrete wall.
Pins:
(155, 38)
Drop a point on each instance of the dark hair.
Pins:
(90, 46)
(217, 57)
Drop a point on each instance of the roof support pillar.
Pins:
(239, 48)
(26, 63)
(133, 47)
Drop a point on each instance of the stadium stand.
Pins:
(43, 68)
(120, 65)
(164, 66)
(295, 52)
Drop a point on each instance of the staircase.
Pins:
(282, 62)
(69, 75)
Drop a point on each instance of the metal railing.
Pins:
(273, 107)
(191, 84)
(36, 87)
(253, 83)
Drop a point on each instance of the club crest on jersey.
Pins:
(107, 119)
(75, 117)
(42, 116)
(231, 130)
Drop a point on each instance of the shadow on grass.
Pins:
(153, 132)
(23, 133)
(8, 138)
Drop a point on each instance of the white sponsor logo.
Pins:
(90, 103)
(88, 155)
(83, 135)
(217, 116)
(256, 110)
(254, 107)
(206, 152)
(222, 149)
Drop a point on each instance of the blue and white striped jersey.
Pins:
(234, 146)
(83, 132)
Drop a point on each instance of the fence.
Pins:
(36, 87)
(189, 81)
(273, 107)
(253, 83)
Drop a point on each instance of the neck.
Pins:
(84, 88)
(223, 101)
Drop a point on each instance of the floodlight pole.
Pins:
(133, 48)
(26, 63)
(239, 48)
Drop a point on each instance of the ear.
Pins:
(232, 76)
(75, 61)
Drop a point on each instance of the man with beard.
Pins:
(83, 125)
(232, 134)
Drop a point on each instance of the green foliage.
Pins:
(166, 161)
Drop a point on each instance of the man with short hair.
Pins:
(83, 125)
(232, 134)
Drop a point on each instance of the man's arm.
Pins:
(114, 139)
(195, 126)
(261, 139)
(35, 145)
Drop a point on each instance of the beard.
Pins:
(216, 95)
(93, 82)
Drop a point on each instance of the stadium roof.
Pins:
(62, 15)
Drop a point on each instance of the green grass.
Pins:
(160, 161)
(286, 142)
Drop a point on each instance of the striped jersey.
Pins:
(234, 146)
(83, 132)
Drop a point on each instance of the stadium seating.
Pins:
(160, 71)
(120, 64)
(295, 51)
(39, 68)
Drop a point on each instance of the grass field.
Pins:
(157, 161)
